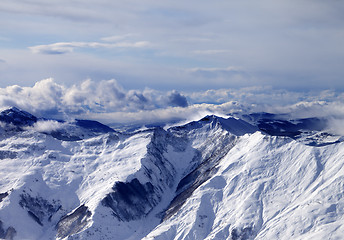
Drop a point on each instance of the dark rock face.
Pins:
(74, 222)
(242, 234)
(156, 150)
(38, 208)
(207, 157)
(7, 154)
(3, 195)
(7, 234)
(131, 200)
(197, 177)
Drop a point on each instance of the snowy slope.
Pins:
(216, 178)
(266, 188)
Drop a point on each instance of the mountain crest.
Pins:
(233, 125)
(17, 117)
(215, 178)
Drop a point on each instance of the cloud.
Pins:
(176, 99)
(271, 48)
(335, 125)
(108, 102)
(43, 96)
(67, 47)
(47, 126)
(275, 43)
(49, 99)
(168, 114)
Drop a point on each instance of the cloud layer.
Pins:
(108, 102)
(294, 45)
(47, 98)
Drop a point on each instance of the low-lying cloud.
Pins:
(47, 126)
(108, 102)
(50, 99)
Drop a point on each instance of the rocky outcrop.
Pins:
(131, 200)
(74, 222)
(39, 209)
(3, 195)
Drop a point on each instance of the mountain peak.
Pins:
(17, 117)
(231, 124)
(208, 179)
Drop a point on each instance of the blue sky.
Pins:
(201, 45)
(143, 56)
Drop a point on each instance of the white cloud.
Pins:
(43, 97)
(166, 114)
(67, 47)
(47, 98)
(107, 101)
(275, 42)
(47, 126)
(335, 125)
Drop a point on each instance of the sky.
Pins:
(136, 56)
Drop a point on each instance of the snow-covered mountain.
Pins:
(255, 176)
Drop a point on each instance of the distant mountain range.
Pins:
(247, 176)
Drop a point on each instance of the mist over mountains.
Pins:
(249, 176)
(107, 101)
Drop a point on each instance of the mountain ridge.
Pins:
(162, 183)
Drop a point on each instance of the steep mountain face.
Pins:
(259, 177)
(265, 188)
